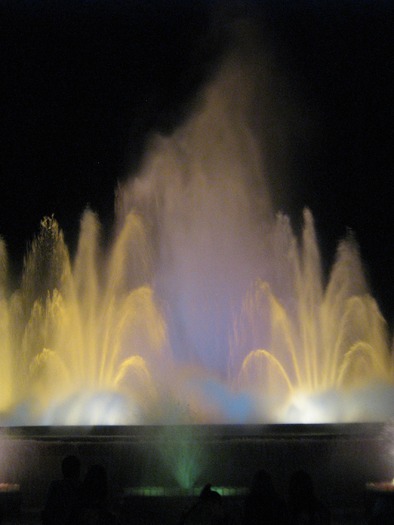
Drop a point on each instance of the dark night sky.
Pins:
(83, 83)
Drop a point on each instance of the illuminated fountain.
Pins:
(206, 308)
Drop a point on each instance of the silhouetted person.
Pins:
(263, 506)
(209, 509)
(63, 495)
(304, 507)
(93, 503)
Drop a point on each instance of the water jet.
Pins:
(205, 308)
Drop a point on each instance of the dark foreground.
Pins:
(340, 458)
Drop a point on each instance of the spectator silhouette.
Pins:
(93, 503)
(304, 507)
(63, 495)
(263, 505)
(208, 510)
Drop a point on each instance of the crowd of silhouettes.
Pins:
(263, 505)
(71, 501)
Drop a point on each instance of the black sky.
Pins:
(84, 83)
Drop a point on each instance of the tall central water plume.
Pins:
(206, 308)
(203, 193)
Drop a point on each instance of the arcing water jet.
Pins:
(206, 308)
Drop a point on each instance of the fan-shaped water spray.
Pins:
(206, 307)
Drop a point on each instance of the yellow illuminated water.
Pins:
(204, 308)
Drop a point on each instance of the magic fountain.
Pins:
(205, 308)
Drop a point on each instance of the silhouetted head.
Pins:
(71, 467)
(301, 486)
(208, 494)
